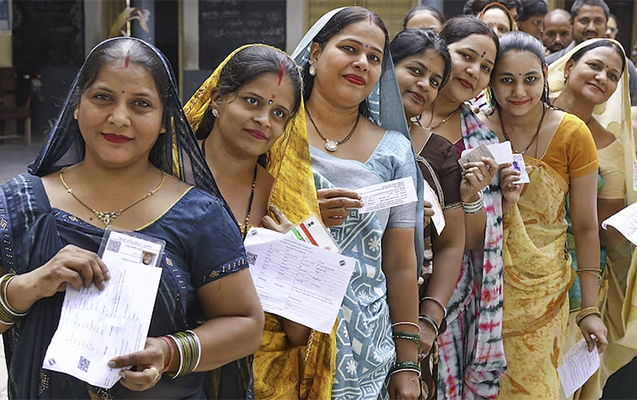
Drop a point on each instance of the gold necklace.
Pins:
(444, 120)
(108, 217)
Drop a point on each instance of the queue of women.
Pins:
(480, 310)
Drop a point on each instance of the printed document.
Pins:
(578, 365)
(296, 280)
(95, 325)
(625, 222)
(387, 194)
(438, 218)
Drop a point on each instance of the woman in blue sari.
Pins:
(122, 142)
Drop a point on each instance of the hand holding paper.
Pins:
(625, 222)
(578, 365)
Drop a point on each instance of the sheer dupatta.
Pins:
(28, 227)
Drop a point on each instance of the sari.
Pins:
(278, 369)
(471, 350)
(203, 244)
(365, 349)
(617, 298)
(537, 265)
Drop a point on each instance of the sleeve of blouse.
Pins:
(405, 167)
(581, 152)
(450, 178)
(216, 248)
(611, 168)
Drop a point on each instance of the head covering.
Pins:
(614, 114)
(277, 372)
(176, 151)
(512, 24)
(386, 108)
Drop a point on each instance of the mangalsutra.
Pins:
(443, 121)
(108, 217)
(537, 132)
(332, 145)
(244, 228)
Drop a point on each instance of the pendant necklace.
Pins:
(245, 226)
(537, 132)
(108, 217)
(444, 120)
(332, 145)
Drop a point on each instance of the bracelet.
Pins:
(412, 337)
(585, 312)
(405, 323)
(596, 271)
(430, 321)
(405, 366)
(439, 303)
(4, 300)
(405, 370)
(171, 345)
(180, 349)
(194, 335)
(475, 206)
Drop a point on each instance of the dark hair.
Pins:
(600, 43)
(431, 10)
(613, 16)
(522, 41)
(577, 6)
(475, 6)
(125, 50)
(505, 10)
(342, 19)
(246, 66)
(463, 26)
(532, 8)
(413, 42)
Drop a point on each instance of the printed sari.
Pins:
(537, 265)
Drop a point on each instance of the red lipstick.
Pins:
(465, 83)
(355, 79)
(114, 138)
(257, 134)
(416, 96)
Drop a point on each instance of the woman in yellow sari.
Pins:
(250, 117)
(537, 272)
(610, 124)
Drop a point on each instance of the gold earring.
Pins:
(75, 113)
(163, 130)
(312, 70)
(215, 113)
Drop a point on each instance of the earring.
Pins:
(163, 130)
(312, 70)
(215, 113)
(565, 78)
(75, 113)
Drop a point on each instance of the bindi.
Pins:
(272, 99)
(123, 92)
(127, 60)
(484, 53)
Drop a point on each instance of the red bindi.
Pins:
(274, 96)
(123, 92)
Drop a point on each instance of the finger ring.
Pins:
(421, 357)
(157, 374)
(479, 176)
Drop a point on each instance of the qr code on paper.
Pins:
(83, 364)
(252, 258)
(113, 245)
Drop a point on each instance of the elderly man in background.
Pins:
(589, 21)
(531, 18)
(558, 30)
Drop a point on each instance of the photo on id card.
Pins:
(132, 248)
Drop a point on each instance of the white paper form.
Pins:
(625, 222)
(502, 152)
(95, 325)
(438, 218)
(296, 280)
(578, 365)
(387, 194)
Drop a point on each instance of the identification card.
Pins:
(518, 165)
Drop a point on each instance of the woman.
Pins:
(423, 66)
(498, 17)
(471, 350)
(608, 116)
(248, 114)
(537, 272)
(119, 139)
(343, 57)
(424, 17)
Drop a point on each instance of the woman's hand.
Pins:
(593, 326)
(71, 265)
(427, 337)
(429, 212)
(284, 224)
(149, 362)
(335, 204)
(475, 177)
(511, 189)
(404, 385)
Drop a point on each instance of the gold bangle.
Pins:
(585, 312)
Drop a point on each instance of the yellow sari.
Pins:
(537, 266)
(281, 370)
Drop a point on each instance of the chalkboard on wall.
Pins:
(48, 33)
(225, 25)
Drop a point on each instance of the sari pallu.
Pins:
(471, 350)
(537, 276)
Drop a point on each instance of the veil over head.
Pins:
(614, 114)
(386, 109)
(176, 151)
